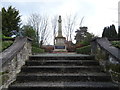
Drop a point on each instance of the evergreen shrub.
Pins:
(37, 50)
(116, 44)
(84, 50)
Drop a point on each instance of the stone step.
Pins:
(97, 77)
(62, 72)
(59, 69)
(64, 86)
(61, 62)
(4, 89)
(64, 57)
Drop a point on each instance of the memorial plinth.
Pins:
(60, 40)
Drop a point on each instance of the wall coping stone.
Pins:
(107, 46)
(8, 54)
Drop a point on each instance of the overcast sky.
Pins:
(97, 13)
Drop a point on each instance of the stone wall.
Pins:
(13, 59)
(108, 57)
(104, 46)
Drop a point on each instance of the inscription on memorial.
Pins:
(59, 47)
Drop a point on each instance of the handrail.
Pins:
(9, 53)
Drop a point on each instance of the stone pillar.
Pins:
(60, 27)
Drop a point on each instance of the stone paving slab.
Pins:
(61, 54)
(66, 84)
(62, 67)
(64, 74)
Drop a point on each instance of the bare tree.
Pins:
(34, 21)
(43, 30)
(70, 22)
(54, 26)
(40, 24)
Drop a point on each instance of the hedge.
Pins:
(85, 43)
(37, 50)
(116, 44)
(5, 37)
(5, 45)
(82, 44)
(84, 50)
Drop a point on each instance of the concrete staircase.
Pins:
(62, 73)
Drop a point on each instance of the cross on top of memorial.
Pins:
(60, 20)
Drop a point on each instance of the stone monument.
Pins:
(60, 40)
